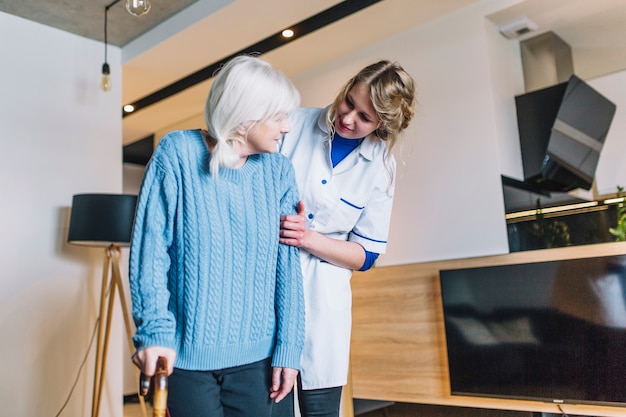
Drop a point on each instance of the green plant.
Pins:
(620, 230)
(553, 234)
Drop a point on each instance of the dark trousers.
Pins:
(324, 402)
(241, 391)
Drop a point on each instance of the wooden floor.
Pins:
(421, 410)
(133, 409)
(395, 410)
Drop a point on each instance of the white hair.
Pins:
(247, 90)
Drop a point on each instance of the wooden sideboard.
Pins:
(398, 337)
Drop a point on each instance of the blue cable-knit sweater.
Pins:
(208, 277)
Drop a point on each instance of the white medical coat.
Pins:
(351, 201)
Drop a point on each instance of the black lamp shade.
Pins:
(102, 219)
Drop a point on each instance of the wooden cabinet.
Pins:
(398, 348)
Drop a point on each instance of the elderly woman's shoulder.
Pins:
(181, 138)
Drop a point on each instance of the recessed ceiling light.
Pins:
(309, 25)
(287, 33)
(129, 108)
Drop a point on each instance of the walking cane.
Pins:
(159, 391)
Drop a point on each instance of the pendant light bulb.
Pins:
(105, 84)
(138, 7)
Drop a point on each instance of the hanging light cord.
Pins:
(106, 12)
(105, 81)
(80, 368)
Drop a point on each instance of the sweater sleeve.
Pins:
(289, 287)
(149, 256)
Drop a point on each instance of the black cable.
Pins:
(106, 13)
(80, 369)
(563, 413)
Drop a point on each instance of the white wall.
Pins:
(611, 170)
(60, 135)
(131, 183)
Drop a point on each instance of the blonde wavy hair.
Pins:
(392, 92)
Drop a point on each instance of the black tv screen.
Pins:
(549, 331)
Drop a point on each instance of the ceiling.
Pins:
(179, 37)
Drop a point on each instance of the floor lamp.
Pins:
(106, 221)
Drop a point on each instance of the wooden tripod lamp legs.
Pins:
(109, 288)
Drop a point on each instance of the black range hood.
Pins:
(562, 130)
